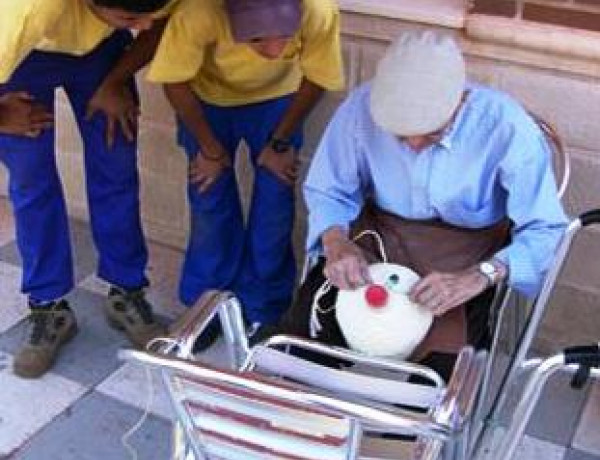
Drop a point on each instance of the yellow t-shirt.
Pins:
(65, 26)
(198, 46)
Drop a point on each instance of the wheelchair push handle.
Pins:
(583, 355)
(590, 217)
(587, 358)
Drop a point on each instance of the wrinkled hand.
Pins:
(440, 292)
(206, 167)
(284, 165)
(346, 266)
(22, 116)
(117, 103)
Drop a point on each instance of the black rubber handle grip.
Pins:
(590, 217)
(588, 356)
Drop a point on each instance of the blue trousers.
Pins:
(111, 178)
(256, 260)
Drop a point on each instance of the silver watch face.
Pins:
(488, 269)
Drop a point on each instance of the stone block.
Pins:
(68, 138)
(3, 181)
(154, 105)
(483, 71)
(572, 318)
(570, 103)
(159, 153)
(507, 8)
(585, 19)
(164, 209)
(318, 120)
(582, 267)
(583, 192)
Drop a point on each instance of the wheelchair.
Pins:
(273, 405)
(270, 404)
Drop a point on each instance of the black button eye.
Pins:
(394, 279)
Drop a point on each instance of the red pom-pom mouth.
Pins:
(376, 296)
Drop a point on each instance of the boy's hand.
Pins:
(20, 115)
(206, 167)
(283, 164)
(115, 100)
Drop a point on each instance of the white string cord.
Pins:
(379, 240)
(315, 324)
(149, 399)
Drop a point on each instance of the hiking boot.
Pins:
(52, 326)
(129, 311)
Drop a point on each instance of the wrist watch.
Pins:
(279, 145)
(490, 271)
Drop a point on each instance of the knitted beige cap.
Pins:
(418, 84)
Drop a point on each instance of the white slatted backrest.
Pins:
(238, 424)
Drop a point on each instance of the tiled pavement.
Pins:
(82, 409)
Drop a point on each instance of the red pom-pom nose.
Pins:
(376, 296)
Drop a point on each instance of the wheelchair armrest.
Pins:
(192, 323)
(463, 389)
(387, 364)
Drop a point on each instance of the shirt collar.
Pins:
(450, 133)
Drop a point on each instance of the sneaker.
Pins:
(129, 311)
(52, 326)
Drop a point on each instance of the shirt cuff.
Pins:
(522, 276)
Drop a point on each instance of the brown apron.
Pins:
(426, 246)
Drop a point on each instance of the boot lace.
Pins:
(137, 300)
(39, 321)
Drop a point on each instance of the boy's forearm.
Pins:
(139, 53)
(188, 109)
(303, 102)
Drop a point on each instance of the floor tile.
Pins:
(7, 223)
(574, 454)
(587, 437)
(558, 410)
(93, 429)
(131, 384)
(13, 304)
(536, 449)
(91, 356)
(28, 405)
(529, 448)
(84, 252)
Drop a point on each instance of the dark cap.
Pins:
(251, 19)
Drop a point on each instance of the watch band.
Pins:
(279, 145)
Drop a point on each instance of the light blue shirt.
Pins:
(491, 162)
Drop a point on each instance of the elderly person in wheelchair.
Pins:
(456, 179)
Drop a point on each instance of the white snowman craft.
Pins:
(379, 319)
